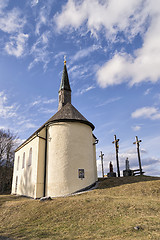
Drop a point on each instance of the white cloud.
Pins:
(136, 128)
(147, 91)
(52, 100)
(30, 125)
(36, 102)
(3, 127)
(34, 3)
(59, 57)
(147, 112)
(11, 21)
(113, 16)
(82, 91)
(39, 51)
(82, 71)
(110, 100)
(85, 52)
(129, 18)
(144, 66)
(42, 20)
(17, 45)
(47, 111)
(7, 111)
(3, 4)
(41, 101)
(114, 71)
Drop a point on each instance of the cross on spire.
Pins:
(64, 59)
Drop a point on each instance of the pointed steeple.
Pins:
(64, 90)
(65, 80)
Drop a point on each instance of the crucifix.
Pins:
(101, 156)
(117, 147)
(138, 152)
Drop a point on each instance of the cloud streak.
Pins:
(17, 45)
(7, 111)
(85, 52)
(111, 100)
(147, 112)
(84, 90)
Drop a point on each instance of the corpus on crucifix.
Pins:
(101, 156)
(138, 152)
(117, 147)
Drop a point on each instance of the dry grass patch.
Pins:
(109, 212)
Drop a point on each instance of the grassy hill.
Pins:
(109, 212)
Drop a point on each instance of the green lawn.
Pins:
(109, 212)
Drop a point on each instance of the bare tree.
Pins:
(8, 143)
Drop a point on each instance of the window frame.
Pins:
(23, 161)
(18, 160)
(30, 157)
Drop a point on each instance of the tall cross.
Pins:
(117, 147)
(138, 152)
(101, 156)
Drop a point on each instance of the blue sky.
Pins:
(113, 62)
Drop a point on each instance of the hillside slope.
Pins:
(109, 212)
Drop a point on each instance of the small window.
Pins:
(23, 162)
(81, 173)
(18, 163)
(30, 157)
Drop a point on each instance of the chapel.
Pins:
(60, 157)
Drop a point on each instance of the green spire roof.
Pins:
(65, 80)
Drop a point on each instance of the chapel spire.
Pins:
(65, 90)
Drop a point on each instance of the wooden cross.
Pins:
(138, 152)
(101, 156)
(117, 147)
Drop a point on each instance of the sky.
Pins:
(112, 50)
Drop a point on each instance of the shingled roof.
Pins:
(69, 114)
(66, 114)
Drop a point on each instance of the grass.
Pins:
(109, 212)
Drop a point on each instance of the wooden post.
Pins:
(138, 152)
(101, 156)
(117, 147)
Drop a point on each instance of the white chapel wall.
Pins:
(70, 148)
(24, 179)
(40, 165)
(94, 159)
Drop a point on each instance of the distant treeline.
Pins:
(8, 143)
(5, 179)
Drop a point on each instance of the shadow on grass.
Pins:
(5, 238)
(9, 197)
(115, 181)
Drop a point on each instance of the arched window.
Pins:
(30, 157)
(16, 184)
(18, 162)
(23, 162)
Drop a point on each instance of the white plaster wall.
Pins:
(27, 176)
(40, 165)
(70, 147)
(94, 158)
